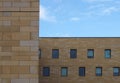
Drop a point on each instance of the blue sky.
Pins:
(79, 18)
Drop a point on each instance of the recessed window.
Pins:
(39, 53)
(64, 71)
(81, 71)
(98, 71)
(116, 71)
(55, 53)
(73, 53)
(107, 53)
(90, 53)
(46, 71)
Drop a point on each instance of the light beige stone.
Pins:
(20, 81)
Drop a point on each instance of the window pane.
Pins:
(46, 71)
(107, 53)
(64, 71)
(73, 53)
(90, 53)
(98, 71)
(82, 71)
(116, 71)
(55, 53)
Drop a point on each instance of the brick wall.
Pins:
(19, 41)
(81, 44)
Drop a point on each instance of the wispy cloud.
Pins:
(74, 19)
(45, 15)
(110, 10)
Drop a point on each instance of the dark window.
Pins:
(98, 71)
(39, 53)
(64, 71)
(55, 53)
(81, 71)
(46, 71)
(90, 53)
(116, 71)
(73, 53)
(107, 53)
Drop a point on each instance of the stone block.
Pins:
(6, 13)
(35, 49)
(20, 49)
(20, 81)
(34, 80)
(20, 36)
(34, 23)
(7, 36)
(29, 43)
(6, 69)
(7, 4)
(7, 23)
(33, 69)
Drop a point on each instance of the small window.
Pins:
(39, 53)
(98, 71)
(55, 53)
(81, 71)
(73, 53)
(107, 53)
(116, 71)
(90, 53)
(64, 71)
(46, 71)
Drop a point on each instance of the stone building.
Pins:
(26, 58)
(19, 41)
(79, 60)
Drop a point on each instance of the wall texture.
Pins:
(18, 41)
(81, 44)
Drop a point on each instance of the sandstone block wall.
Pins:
(19, 41)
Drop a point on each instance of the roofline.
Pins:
(77, 37)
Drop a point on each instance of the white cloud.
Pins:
(45, 15)
(75, 19)
(110, 10)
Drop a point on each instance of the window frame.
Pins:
(46, 69)
(53, 54)
(66, 72)
(73, 55)
(98, 74)
(118, 73)
(88, 56)
(105, 53)
(83, 73)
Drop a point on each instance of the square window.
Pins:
(73, 53)
(90, 53)
(64, 71)
(107, 53)
(46, 71)
(82, 71)
(55, 53)
(116, 71)
(98, 71)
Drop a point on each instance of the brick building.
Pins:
(79, 60)
(26, 58)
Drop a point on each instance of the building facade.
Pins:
(26, 58)
(79, 60)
